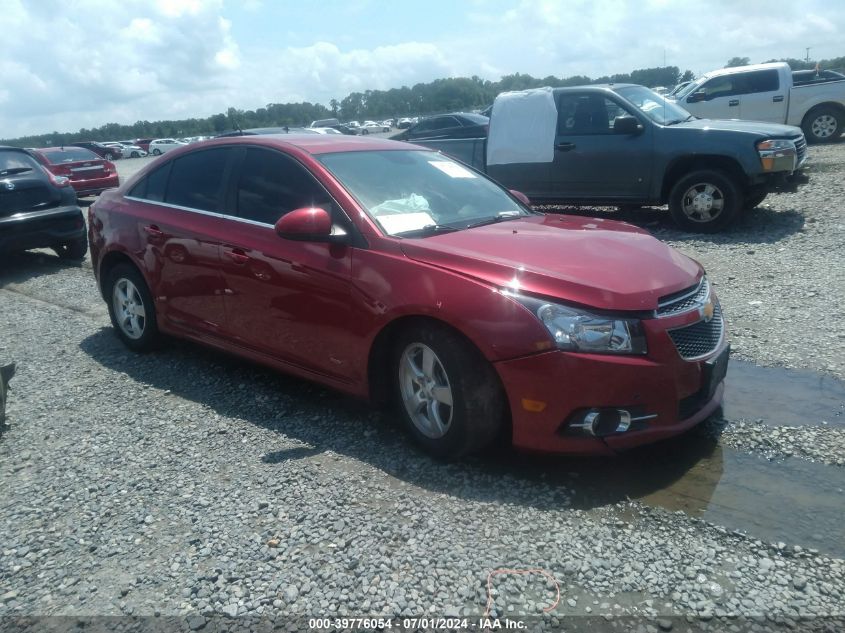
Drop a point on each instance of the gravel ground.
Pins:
(188, 483)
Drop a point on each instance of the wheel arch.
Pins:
(109, 262)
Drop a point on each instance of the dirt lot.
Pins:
(189, 483)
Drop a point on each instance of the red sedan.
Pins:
(392, 272)
(89, 174)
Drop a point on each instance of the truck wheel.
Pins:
(754, 200)
(704, 201)
(445, 391)
(823, 124)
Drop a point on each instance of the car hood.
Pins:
(593, 262)
(759, 128)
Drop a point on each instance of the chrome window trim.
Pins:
(213, 214)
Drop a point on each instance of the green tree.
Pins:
(738, 61)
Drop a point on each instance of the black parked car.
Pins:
(103, 151)
(37, 208)
(456, 125)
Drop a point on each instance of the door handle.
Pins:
(154, 231)
(237, 256)
(565, 147)
(777, 98)
(733, 102)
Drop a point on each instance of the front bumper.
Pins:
(41, 229)
(663, 385)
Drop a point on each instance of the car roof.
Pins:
(316, 143)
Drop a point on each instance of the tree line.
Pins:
(440, 95)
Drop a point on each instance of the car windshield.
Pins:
(654, 106)
(689, 88)
(406, 191)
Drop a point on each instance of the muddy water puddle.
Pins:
(793, 500)
(783, 397)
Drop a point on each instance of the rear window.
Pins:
(16, 162)
(69, 155)
(196, 180)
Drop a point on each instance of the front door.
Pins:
(289, 299)
(591, 161)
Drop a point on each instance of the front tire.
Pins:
(156, 152)
(134, 155)
(131, 308)
(365, 131)
(823, 124)
(72, 251)
(705, 201)
(445, 391)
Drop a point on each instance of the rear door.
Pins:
(591, 161)
(289, 299)
(181, 227)
(765, 98)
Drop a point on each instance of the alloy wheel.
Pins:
(129, 308)
(425, 390)
(824, 126)
(703, 202)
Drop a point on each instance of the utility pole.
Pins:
(807, 58)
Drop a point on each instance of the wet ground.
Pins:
(791, 500)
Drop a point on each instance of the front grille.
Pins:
(801, 148)
(685, 300)
(30, 199)
(699, 339)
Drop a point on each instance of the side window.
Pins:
(424, 126)
(153, 186)
(272, 184)
(763, 81)
(196, 180)
(586, 114)
(727, 86)
(447, 121)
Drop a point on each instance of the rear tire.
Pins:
(365, 131)
(447, 394)
(823, 124)
(705, 201)
(74, 250)
(131, 308)
(156, 152)
(134, 155)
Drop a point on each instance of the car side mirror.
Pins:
(626, 125)
(311, 224)
(520, 196)
(697, 96)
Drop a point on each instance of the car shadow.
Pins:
(325, 421)
(19, 267)
(762, 225)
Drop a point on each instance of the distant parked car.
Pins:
(404, 123)
(260, 131)
(101, 150)
(89, 174)
(37, 208)
(143, 143)
(324, 123)
(161, 145)
(325, 130)
(456, 125)
(128, 150)
(371, 127)
(346, 129)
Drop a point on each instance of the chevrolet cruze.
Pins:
(394, 273)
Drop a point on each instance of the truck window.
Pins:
(586, 114)
(763, 81)
(727, 86)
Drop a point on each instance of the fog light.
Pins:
(601, 422)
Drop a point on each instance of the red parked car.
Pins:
(89, 174)
(393, 272)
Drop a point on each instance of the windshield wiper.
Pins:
(499, 217)
(14, 170)
(428, 229)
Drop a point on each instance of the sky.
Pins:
(72, 64)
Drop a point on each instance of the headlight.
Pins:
(579, 331)
(775, 145)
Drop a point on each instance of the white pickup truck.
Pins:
(773, 93)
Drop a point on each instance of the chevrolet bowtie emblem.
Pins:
(707, 311)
